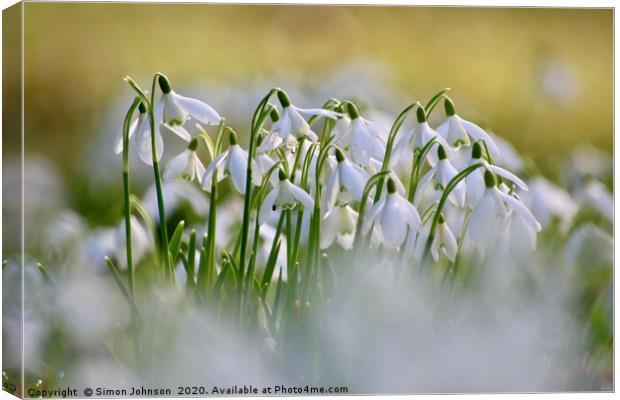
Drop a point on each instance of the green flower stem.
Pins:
(398, 122)
(434, 100)
(126, 195)
(444, 197)
(362, 211)
(257, 121)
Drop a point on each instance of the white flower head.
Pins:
(234, 163)
(285, 195)
(346, 182)
(140, 132)
(363, 139)
(492, 213)
(391, 217)
(443, 241)
(187, 164)
(440, 175)
(457, 131)
(176, 109)
(475, 181)
(292, 123)
(339, 225)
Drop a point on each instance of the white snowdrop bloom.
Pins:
(141, 243)
(363, 140)
(391, 217)
(346, 182)
(440, 175)
(175, 109)
(456, 131)
(232, 162)
(140, 138)
(475, 180)
(547, 200)
(341, 126)
(419, 137)
(292, 123)
(489, 217)
(443, 241)
(589, 247)
(284, 195)
(596, 196)
(338, 225)
(187, 164)
(374, 166)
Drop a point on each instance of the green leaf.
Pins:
(271, 263)
(175, 242)
(434, 100)
(119, 282)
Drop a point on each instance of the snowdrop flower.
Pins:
(176, 109)
(292, 123)
(489, 216)
(347, 181)
(419, 137)
(391, 217)
(595, 195)
(233, 162)
(363, 139)
(141, 129)
(441, 175)
(338, 225)
(475, 181)
(285, 195)
(187, 164)
(444, 240)
(456, 131)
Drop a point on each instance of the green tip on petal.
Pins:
(281, 174)
(193, 144)
(339, 155)
(391, 186)
(283, 97)
(441, 153)
(449, 107)
(274, 115)
(441, 219)
(232, 137)
(489, 179)
(141, 108)
(476, 151)
(164, 84)
(352, 110)
(421, 114)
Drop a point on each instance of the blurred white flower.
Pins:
(284, 195)
(176, 193)
(595, 195)
(590, 247)
(175, 109)
(141, 243)
(339, 225)
(391, 217)
(585, 163)
(547, 200)
(187, 164)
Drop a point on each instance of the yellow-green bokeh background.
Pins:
(77, 54)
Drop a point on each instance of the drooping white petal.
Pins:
(118, 143)
(330, 194)
(521, 209)
(178, 130)
(144, 145)
(318, 111)
(268, 206)
(483, 220)
(173, 113)
(216, 165)
(300, 195)
(373, 213)
(448, 242)
(508, 175)
(477, 133)
(393, 227)
(177, 165)
(199, 110)
(353, 178)
(236, 167)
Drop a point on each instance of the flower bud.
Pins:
(391, 186)
(141, 108)
(232, 137)
(274, 115)
(476, 151)
(339, 156)
(489, 179)
(281, 174)
(164, 84)
(441, 153)
(449, 107)
(421, 114)
(352, 110)
(283, 97)
(193, 144)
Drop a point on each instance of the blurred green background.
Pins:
(540, 77)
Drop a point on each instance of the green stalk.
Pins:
(126, 194)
